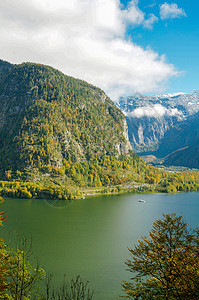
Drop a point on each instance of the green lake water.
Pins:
(90, 237)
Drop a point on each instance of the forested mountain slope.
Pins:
(5, 68)
(187, 157)
(53, 125)
(62, 138)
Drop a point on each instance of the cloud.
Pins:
(133, 14)
(85, 39)
(151, 5)
(154, 111)
(171, 11)
(150, 21)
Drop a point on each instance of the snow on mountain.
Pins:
(150, 118)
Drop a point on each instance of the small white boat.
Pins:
(141, 200)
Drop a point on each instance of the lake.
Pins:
(90, 237)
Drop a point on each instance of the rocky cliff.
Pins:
(154, 121)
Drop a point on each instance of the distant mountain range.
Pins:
(166, 126)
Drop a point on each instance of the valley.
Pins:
(62, 138)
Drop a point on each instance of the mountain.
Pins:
(56, 126)
(62, 138)
(161, 124)
(187, 157)
(5, 68)
(187, 143)
(185, 134)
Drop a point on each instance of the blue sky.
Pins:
(123, 47)
(177, 38)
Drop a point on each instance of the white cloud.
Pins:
(153, 111)
(133, 14)
(171, 11)
(150, 21)
(151, 5)
(84, 39)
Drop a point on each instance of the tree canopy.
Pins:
(165, 265)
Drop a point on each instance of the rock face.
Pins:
(186, 142)
(157, 124)
(124, 147)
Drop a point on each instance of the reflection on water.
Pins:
(57, 203)
(90, 237)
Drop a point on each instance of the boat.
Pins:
(141, 200)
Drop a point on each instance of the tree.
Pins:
(17, 276)
(2, 217)
(165, 265)
(18, 279)
(3, 257)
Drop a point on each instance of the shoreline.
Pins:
(38, 190)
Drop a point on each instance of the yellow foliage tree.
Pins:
(165, 265)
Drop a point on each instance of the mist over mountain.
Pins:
(162, 124)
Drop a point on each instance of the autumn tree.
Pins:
(22, 278)
(165, 265)
(18, 278)
(2, 217)
(3, 256)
